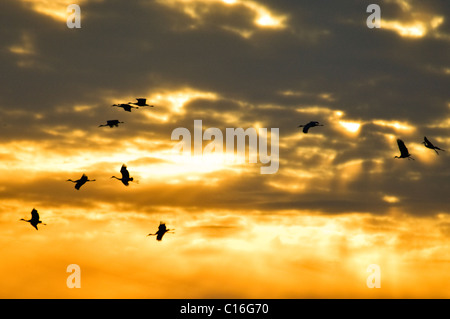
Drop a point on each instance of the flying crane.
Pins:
(306, 127)
(404, 153)
(34, 221)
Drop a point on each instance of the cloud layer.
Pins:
(231, 64)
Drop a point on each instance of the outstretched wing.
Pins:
(306, 128)
(427, 142)
(162, 228)
(403, 150)
(34, 215)
(124, 171)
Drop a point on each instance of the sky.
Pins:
(337, 203)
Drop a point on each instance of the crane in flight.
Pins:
(80, 182)
(34, 221)
(140, 102)
(126, 107)
(125, 175)
(404, 153)
(306, 127)
(162, 229)
(430, 145)
(111, 123)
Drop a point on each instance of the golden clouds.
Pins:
(316, 256)
(265, 18)
(415, 22)
(391, 199)
(56, 9)
(415, 29)
(198, 10)
(178, 98)
(352, 127)
(397, 125)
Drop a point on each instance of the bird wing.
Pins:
(125, 173)
(427, 142)
(402, 147)
(34, 215)
(307, 127)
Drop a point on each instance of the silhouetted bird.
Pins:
(140, 102)
(111, 123)
(309, 125)
(430, 145)
(126, 107)
(162, 229)
(80, 182)
(34, 221)
(125, 176)
(403, 150)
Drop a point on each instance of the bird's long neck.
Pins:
(116, 178)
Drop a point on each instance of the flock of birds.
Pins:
(34, 221)
(141, 102)
(404, 153)
(125, 178)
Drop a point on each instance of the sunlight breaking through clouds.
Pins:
(352, 127)
(397, 125)
(176, 99)
(416, 29)
(264, 17)
(391, 199)
(196, 9)
(56, 9)
(415, 21)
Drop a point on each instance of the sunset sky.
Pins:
(338, 203)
